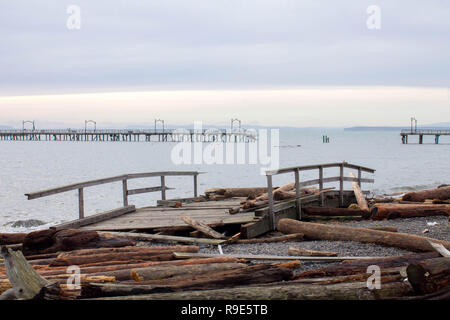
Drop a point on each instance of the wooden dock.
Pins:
(423, 132)
(167, 214)
(112, 135)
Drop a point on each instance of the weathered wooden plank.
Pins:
(146, 190)
(160, 237)
(96, 218)
(187, 255)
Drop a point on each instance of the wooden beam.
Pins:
(160, 237)
(202, 227)
(96, 218)
(188, 255)
(362, 203)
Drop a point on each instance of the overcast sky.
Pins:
(269, 62)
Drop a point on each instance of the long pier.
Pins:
(113, 135)
(405, 133)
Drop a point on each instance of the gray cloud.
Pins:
(128, 45)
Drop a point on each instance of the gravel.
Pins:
(344, 248)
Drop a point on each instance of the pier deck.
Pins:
(112, 135)
(423, 132)
(213, 213)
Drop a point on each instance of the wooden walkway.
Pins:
(168, 216)
(213, 213)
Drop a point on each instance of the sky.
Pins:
(266, 62)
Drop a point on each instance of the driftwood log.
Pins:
(25, 281)
(11, 238)
(152, 254)
(340, 291)
(392, 211)
(202, 227)
(442, 193)
(52, 240)
(316, 231)
(298, 251)
(332, 212)
(162, 272)
(362, 203)
(430, 275)
(360, 266)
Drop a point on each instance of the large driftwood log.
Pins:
(393, 211)
(152, 249)
(151, 255)
(430, 275)
(162, 272)
(51, 240)
(235, 192)
(288, 237)
(360, 266)
(332, 212)
(202, 227)
(316, 231)
(257, 274)
(129, 267)
(442, 193)
(11, 238)
(340, 291)
(26, 282)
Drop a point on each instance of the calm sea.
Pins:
(32, 166)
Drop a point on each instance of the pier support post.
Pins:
(163, 188)
(341, 185)
(297, 195)
(80, 203)
(321, 186)
(125, 192)
(436, 139)
(270, 196)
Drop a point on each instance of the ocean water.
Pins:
(33, 166)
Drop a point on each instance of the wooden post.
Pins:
(195, 185)
(341, 185)
(359, 177)
(297, 194)
(163, 188)
(270, 198)
(125, 192)
(321, 185)
(80, 203)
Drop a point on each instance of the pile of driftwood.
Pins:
(75, 264)
(424, 203)
(258, 197)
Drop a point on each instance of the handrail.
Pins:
(425, 131)
(320, 181)
(126, 192)
(128, 131)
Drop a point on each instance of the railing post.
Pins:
(125, 192)
(359, 177)
(195, 185)
(341, 185)
(297, 195)
(163, 188)
(270, 196)
(80, 203)
(321, 196)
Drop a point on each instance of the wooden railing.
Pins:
(320, 181)
(124, 179)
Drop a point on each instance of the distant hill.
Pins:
(381, 128)
(5, 127)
